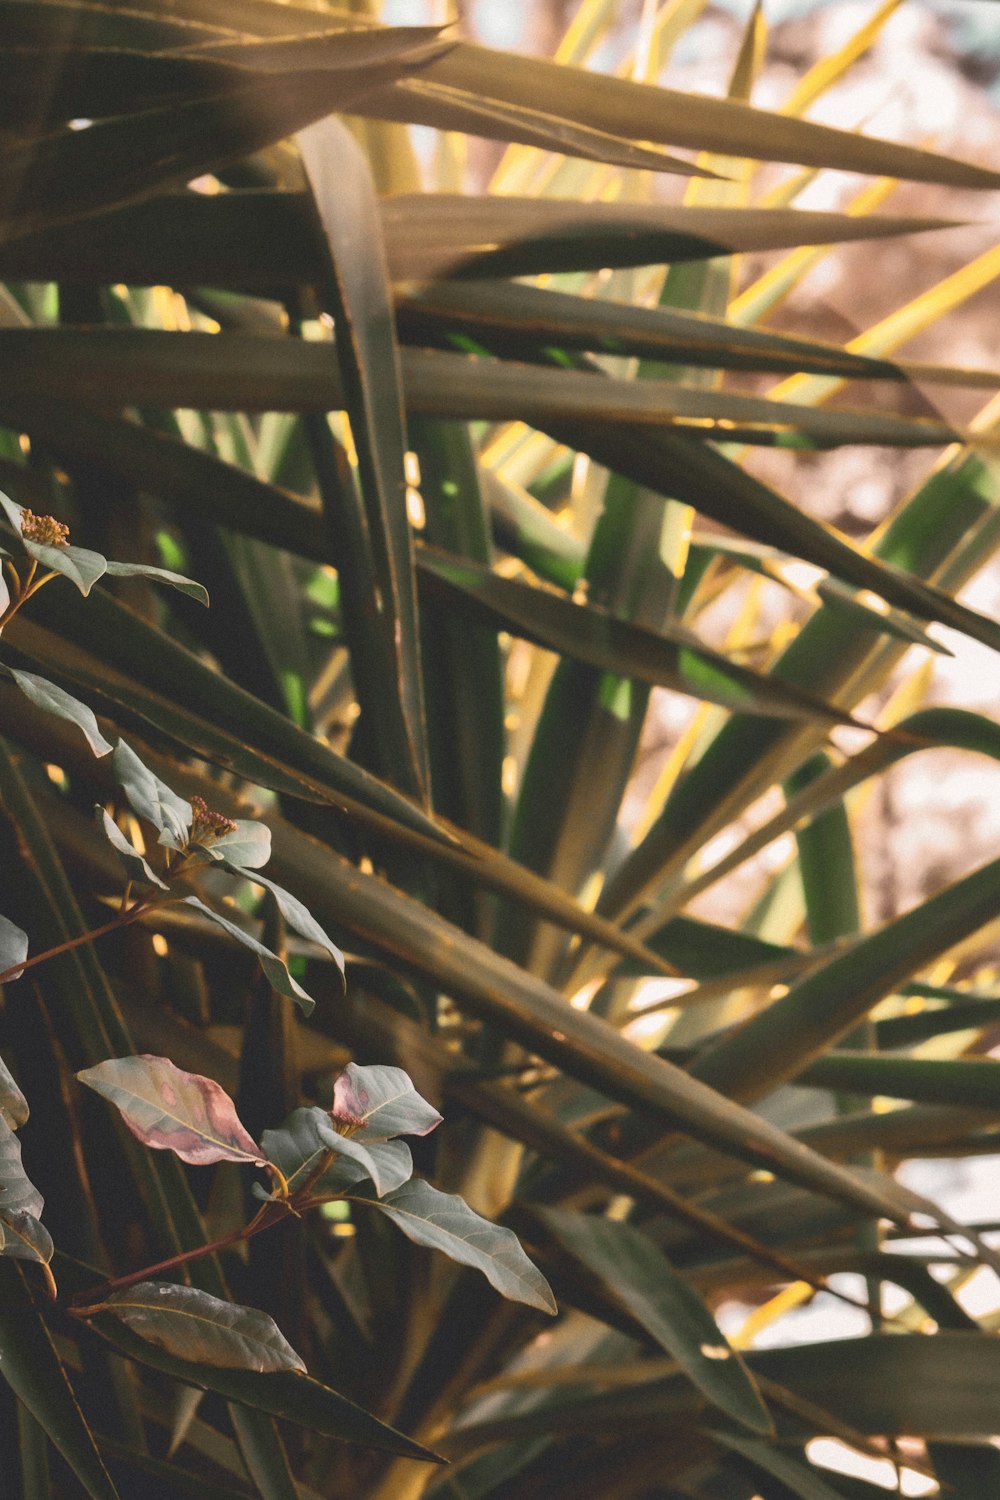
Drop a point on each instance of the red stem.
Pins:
(269, 1215)
(84, 937)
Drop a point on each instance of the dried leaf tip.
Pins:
(208, 825)
(45, 530)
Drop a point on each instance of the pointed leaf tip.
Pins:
(171, 1110)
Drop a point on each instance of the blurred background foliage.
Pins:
(578, 590)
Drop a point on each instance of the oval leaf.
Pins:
(383, 1102)
(247, 847)
(444, 1222)
(640, 1278)
(196, 1326)
(46, 695)
(17, 1194)
(151, 798)
(174, 1111)
(13, 949)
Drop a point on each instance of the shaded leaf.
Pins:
(173, 1110)
(35, 1373)
(136, 868)
(22, 1235)
(636, 1274)
(195, 1326)
(299, 1146)
(442, 1221)
(274, 967)
(298, 917)
(161, 575)
(283, 1393)
(13, 951)
(670, 657)
(55, 700)
(151, 798)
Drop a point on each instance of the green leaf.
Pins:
(263, 1453)
(780, 1041)
(13, 1104)
(195, 1326)
(13, 951)
(799, 1478)
(262, 241)
(283, 1393)
(35, 1373)
(439, 235)
(638, 1276)
(381, 1102)
(298, 917)
(442, 1221)
(669, 117)
(172, 1110)
(151, 798)
(360, 298)
(968, 1082)
(518, 319)
(77, 564)
(134, 865)
(161, 575)
(274, 967)
(54, 700)
(670, 657)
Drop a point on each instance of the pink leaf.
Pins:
(174, 1111)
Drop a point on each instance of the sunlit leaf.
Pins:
(381, 1102)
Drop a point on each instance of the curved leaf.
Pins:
(300, 1145)
(247, 847)
(135, 867)
(173, 1110)
(636, 1274)
(161, 575)
(381, 1102)
(195, 1326)
(274, 967)
(298, 917)
(445, 1222)
(55, 700)
(151, 798)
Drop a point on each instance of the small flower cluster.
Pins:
(208, 825)
(45, 530)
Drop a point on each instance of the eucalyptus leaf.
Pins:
(298, 917)
(132, 861)
(172, 1110)
(299, 1146)
(246, 848)
(443, 1221)
(381, 1102)
(274, 967)
(13, 948)
(151, 798)
(55, 700)
(195, 1326)
(160, 575)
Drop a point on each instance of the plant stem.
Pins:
(86, 1303)
(122, 920)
